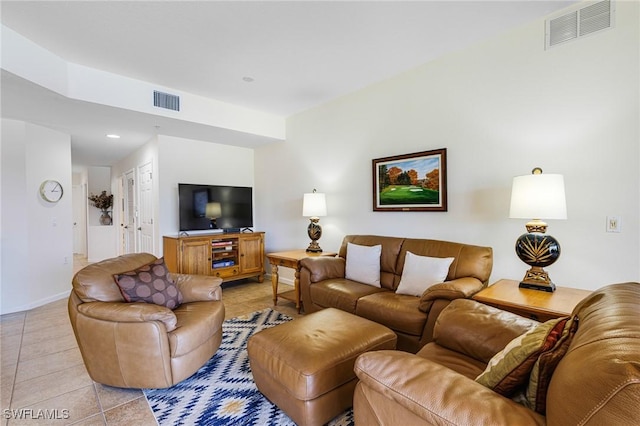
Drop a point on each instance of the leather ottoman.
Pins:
(305, 366)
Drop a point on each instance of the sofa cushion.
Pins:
(421, 272)
(399, 312)
(363, 264)
(197, 323)
(150, 283)
(509, 369)
(341, 293)
(391, 246)
(478, 330)
(463, 364)
(470, 260)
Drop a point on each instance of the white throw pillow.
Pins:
(363, 264)
(421, 272)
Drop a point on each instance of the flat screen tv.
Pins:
(233, 206)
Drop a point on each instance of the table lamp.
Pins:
(314, 206)
(538, 196)
(213, 211)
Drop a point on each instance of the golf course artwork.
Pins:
(411, 182)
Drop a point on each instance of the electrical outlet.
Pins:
(613, 224)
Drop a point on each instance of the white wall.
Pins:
(500, 108)
(37, 236)
(180, 160)
(190, 161)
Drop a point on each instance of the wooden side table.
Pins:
(290, 259)
(535, 304)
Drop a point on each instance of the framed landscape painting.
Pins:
(411, 182)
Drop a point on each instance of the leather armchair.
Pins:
(143, 345)
(597, 381)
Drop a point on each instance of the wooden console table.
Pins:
(289, 259)
(535, 304)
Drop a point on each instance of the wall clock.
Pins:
(51, 191)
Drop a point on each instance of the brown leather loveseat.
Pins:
(595, 382)
(143, 345)
(412, 318)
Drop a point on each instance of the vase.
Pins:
(105, 219)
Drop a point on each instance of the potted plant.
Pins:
(104, 203)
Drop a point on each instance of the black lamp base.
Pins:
(550, 288)
(314, 247)
(315, 232)
(537, 278)
(537, 250)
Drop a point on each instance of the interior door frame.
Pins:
(128, 243)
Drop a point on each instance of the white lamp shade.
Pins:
(213, 210)
(314, 205)
(538, 196)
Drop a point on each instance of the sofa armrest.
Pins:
(461, 288)
(324, 267)
(129, 312)
(198, 288)
(435, 393)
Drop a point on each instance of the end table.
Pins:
(290, 259)
(535, 304)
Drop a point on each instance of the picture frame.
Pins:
(411, 182)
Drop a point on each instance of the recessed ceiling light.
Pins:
(248, 79)
(113, 136)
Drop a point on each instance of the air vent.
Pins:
(579, 23)
(165, 100)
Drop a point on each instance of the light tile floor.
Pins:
(43, 378)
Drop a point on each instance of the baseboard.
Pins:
(281, 280)
(37, 303)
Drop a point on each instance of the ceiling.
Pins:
(295, 54)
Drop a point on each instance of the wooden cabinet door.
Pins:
(251, 253)
(196, 257)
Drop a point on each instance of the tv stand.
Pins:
(246, 230)
(230, 256)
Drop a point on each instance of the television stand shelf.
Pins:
(230, 256)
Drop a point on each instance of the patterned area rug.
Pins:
(222, 392)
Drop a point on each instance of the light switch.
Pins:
(613, 224)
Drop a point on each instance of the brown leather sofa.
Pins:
(323, 285)
(597, 381)
(143, 345)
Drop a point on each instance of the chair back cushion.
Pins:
(95, 282)
(388, 258)
(598, 379)
(468, 260)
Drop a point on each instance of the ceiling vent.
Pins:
(165, 100)
(579, 23)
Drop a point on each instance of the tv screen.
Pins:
(231, 207)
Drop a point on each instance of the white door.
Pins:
(145, 208)
(79, 205)
(129, 213)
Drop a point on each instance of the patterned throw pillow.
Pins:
(509, 369)
(536, 395)
(151, 284)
